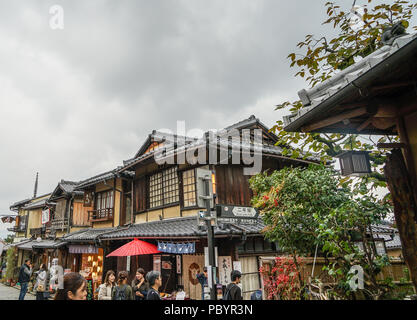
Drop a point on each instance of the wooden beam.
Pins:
(383, 123)
(332, 120)
(364, 124)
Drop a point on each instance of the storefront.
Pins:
(88, 261)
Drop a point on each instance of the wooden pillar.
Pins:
(405, 209)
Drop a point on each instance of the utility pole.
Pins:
(205, 200)
(36, 185)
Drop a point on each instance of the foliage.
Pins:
(9, 238)
(319, 58)
(304, 208)
(281, 280)
(11, 263)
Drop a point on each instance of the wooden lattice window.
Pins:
(163, 188)
(188, 182)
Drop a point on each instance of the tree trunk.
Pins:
(404, 208)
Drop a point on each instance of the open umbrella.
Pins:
(134, 248)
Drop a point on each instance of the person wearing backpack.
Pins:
(233, 291)
(122, 291)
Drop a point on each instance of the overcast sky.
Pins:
(78, 101)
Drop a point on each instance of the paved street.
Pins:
(8, 293)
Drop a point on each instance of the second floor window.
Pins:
(188, 180)
(104, 200)
(163, 188)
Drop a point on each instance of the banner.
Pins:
(177, 248)
(45, 216)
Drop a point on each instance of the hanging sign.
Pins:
(45, 216)
(176, 248)
(178, 260)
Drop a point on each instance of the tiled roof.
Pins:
(20, 203)
(318, 95)
(48, 244)
(389, 234)
(25, 245)
(88, 234)
(102, 177)
(36, 204)
(177, 228)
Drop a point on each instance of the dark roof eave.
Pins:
(377, 71)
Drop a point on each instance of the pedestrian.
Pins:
(155, 282)
(257, 295)
(106, 289)
(24, 278)
(75, 288)
(122, 291)
(233, 291)
(41, 283)
(202, 278)
(139, 285)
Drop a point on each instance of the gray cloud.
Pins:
(78, 101)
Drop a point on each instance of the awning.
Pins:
(82, 249)
(25, 245)
(48, 244)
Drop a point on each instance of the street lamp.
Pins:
(355, 163)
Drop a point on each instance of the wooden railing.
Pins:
(58, 224)
(100, 215)
(37, 231)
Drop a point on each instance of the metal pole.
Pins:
(210, 244)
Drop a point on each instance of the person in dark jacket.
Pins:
(155, 281)
(202, 278)
(233, 291)
(139, 285)
(24, 278)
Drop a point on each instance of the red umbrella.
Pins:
(134, 248)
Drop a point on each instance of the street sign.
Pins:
(236, 221)
(236, 212)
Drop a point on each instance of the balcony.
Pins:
(58, 224)
(37, 232)
(17, 229)
(100, 215)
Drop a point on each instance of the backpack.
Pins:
(120, 293)
(227, 294)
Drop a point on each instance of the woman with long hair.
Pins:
(122, 291)
(139, 285)
(41, 285)
(75, 288)
(106, 289)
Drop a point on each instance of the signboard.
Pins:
(90, 294)
(236, 221)
(88, 199)
(45, 216)
(237, 265)
(225, 269)
(157, 263)
(176, 248)
(236, 212)
(178, 260)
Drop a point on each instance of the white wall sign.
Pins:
(225, 268)
(45, 216)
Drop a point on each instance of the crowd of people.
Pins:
(145, 286)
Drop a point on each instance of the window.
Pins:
(104, 200)
(188, 181)
(163, 188)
